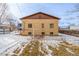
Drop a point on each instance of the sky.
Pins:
(61, 10)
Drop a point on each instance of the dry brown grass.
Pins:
(16, 51)
(61, 50)
(32, 49)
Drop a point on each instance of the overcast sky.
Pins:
(56, 9)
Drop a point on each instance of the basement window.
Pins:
(29, 33)
(43, 33)
(51, 33)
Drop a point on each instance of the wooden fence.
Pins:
(70, 32)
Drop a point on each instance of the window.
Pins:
(42, 25)
(29, 33)
(29, 25)
(43, 33)
(51, 25)
(51, 33)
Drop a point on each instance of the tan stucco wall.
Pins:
(36, 26)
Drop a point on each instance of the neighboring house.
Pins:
(74, 27)
(64, 28)
(4, 28)
(39, 24)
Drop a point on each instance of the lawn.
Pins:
(37, 48)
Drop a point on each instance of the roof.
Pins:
(40, 15)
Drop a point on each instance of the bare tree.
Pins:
(3, 10)
(6, 16)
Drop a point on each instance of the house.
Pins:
(39, 24)
(74, 27)
(64, 28)
(6, 28)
